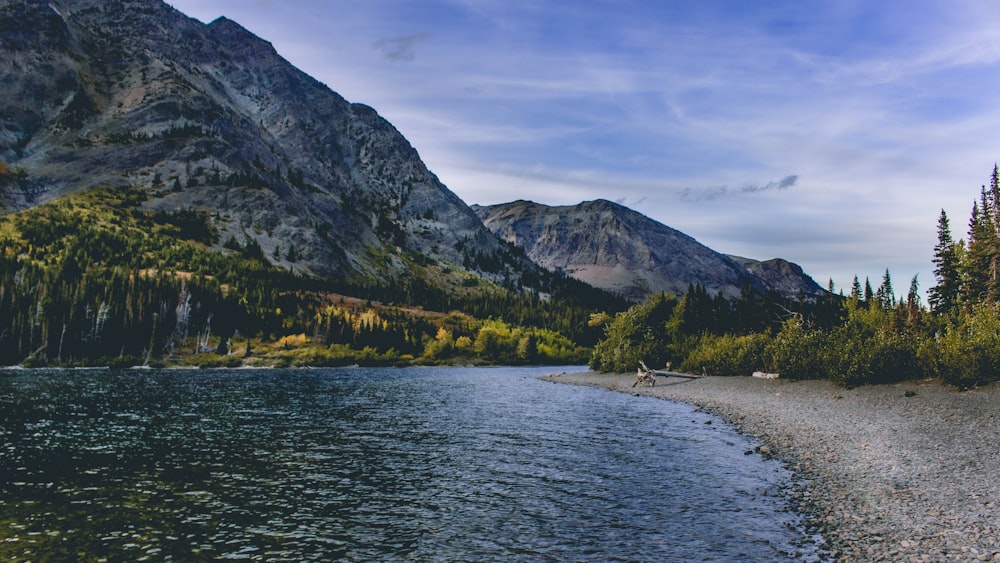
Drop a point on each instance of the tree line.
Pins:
(866, 336)
(94, 279)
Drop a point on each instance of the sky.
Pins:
(831, 134)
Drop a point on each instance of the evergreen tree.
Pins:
(912, 309)
(885, 296)
(945, 295)
(869, 293)
(856, 289)
(979, 266)
(994, 194)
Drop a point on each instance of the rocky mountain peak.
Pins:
(618, 249)
(132, 92)
(240, 42)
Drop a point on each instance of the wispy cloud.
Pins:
(400, 49)
(709, 194)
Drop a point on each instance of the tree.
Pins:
(979, 266)
(912, 312)
(527, 348)
(638, 334)
(487, 344)
(885, 296)
(913, 296)
(945, 295)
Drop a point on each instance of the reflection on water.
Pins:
(373, 464)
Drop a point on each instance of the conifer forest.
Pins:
(92, 279)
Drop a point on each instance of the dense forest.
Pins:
(95, 279)
(867, 336)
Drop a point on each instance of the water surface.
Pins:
(374, 464)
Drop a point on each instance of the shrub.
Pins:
(797, 352)
(728, 355)
(968, 353)
(885, 357)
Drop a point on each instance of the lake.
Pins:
(373, 464)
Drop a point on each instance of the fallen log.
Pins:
(666, 373)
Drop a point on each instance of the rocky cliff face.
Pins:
(782, 276)
(623, 251)
(115, 92)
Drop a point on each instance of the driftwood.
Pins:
(645, 376)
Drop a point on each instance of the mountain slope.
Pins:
(782, 276)
(615, 248)
(132, 92)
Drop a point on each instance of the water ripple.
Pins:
(374, 464)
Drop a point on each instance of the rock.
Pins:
(764, 375)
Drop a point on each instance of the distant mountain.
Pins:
(210, 117)
(782, 276)
(618, 249)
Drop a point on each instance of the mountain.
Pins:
(210, 117)
(618, 249)
(782, 276)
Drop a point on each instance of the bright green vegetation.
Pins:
(95, 279)
(865, 337)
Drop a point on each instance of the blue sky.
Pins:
(827, 133)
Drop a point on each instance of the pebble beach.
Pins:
(904, 472)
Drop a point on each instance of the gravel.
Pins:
(905, 472)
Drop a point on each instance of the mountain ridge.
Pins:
(210, 116)
(621, 250)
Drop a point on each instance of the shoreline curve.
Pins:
(901, 472)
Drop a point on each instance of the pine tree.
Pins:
(885, 296)
(979, 266)
(994, 194)
(913, 296)
(856, 289)
(914, 310)
(945, 295)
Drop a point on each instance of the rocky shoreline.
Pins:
(905, 472)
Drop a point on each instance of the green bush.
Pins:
(968, 353)
(798, 352)
(728, 355)
(884, 357)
